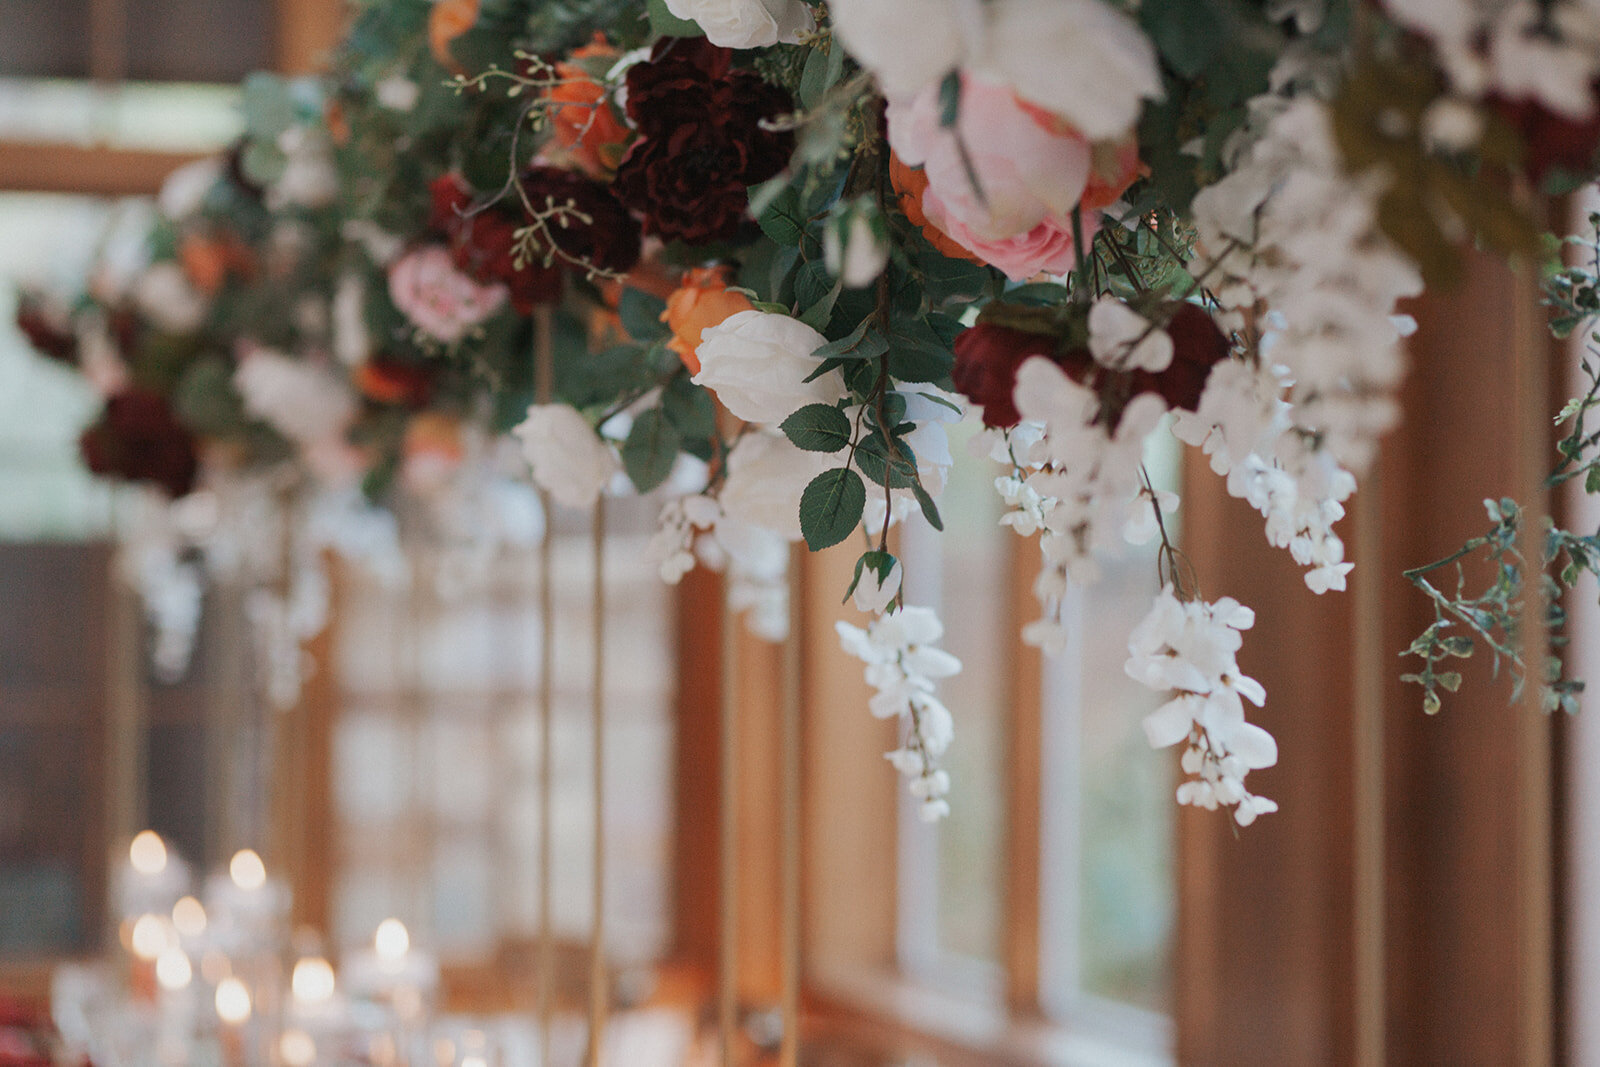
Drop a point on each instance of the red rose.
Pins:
(988, 356)
(138, 438)
(701, 143)
(987, 359)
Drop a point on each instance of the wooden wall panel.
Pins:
(1267, 930)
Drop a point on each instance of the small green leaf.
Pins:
(818, 428)
(866, 341)
(930, 510)
(817, 315)
(831, 507)
(689, 408)
(663, 23)
(1591, 481)
(641, 315)
(651, 449)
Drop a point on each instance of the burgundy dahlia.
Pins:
(589, 223)
(138, 438)
(701, 142)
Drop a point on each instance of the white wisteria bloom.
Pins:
(902, 666)
(1296, 243)
(1122, 338)
(747, 23)
(1188, 648)
(569, 460)
(1079, 485)
(757, 363)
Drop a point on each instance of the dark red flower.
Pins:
(391, 381)
(50, 335)
(483, 244)
(701, 142)
(1197, 346)
(987, 359)
(988, 356)
(1551, 141)
(139, 439)
(597, 230)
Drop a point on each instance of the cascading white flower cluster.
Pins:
(1307, 274)
(1506, 47)
(1078, 484)
(754, 560)
(902, 664)
(1187, 648)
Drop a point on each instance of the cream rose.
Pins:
(569, 460)
(766, 477)
(746, 23)
(757, 363)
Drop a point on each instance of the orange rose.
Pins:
(701, 302)
(448, 20)
(1113, 166)
(582, 117)
(910, 183)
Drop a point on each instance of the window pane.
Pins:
(951, 873)
(165, 117)
(1108, 904)
(43, 406)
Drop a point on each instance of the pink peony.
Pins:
(1033, 169)
(438, 299)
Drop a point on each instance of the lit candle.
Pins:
(393, 972)
(175, 975)
(233, 1009)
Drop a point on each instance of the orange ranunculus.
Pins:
(204, 260)
(337, 122)
(581, 114)
(909, 183)
(701, 302)
(389, 381)
(1113, 166)
(448, 20)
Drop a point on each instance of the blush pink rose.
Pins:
(440, 300)
(1033, 169)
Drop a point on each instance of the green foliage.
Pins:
(831, 507)
(818, 428)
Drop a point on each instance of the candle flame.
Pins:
(233, 1001)
(247, 870)
(148, 853)
(392, 941)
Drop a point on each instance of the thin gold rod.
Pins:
(728, 847)
(598, 994)
(1370, 675)
(543, 374)
(1531, 351)
(793, 738)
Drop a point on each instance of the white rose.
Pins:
(163, 292)
(184, 191)
(397, 92)
(872, 596)
(757, 362)
(908, 43)
(766, 477)
(300, 400)
(1082, 59)
(569, 460)
(746, 23)
(858, 260)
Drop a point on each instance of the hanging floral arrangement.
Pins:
(757, 256)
